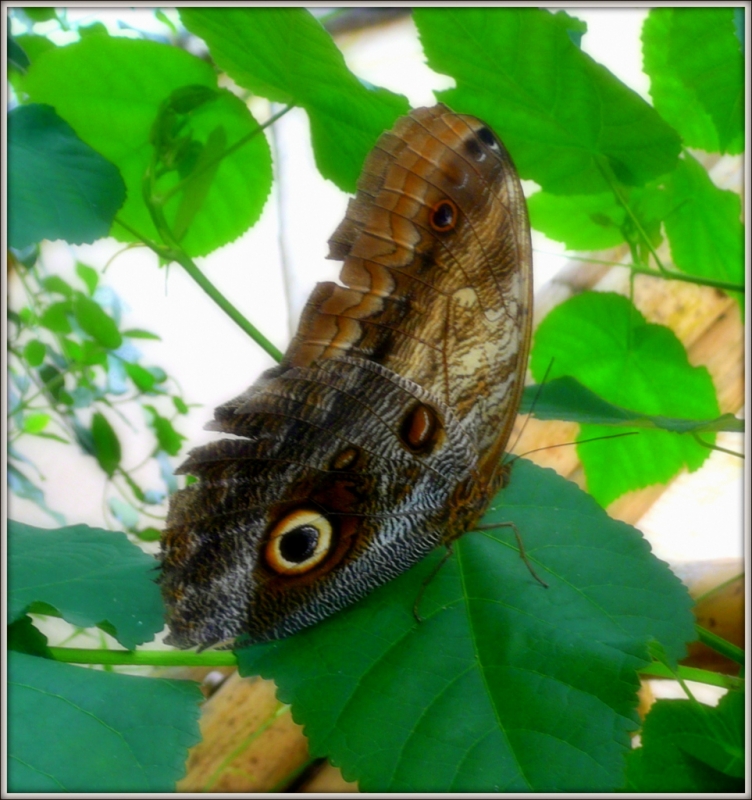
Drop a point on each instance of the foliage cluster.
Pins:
(504, 686)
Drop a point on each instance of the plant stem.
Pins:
(176, 253)
(715, 642)
(720, 449)
(658, 670)
(226, 658)
(152, 658)
(668, 275)
(676, 276)
(226, 305)
(607, 174)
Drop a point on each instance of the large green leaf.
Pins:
(505, 685)
(80, 730)
(690, 747)
(599, 221)
(89, 575)
(604, 342)
(696, 69)
(284, 54)
(558, 112)
(111, 91)
(705, 229)
(581, 222)
(58, 186)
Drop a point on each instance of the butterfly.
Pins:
(381, 433)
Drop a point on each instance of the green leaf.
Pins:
(106, 444)
(54, 283)
(149, 534)
(39, 13)
(142, 378)
(89, 575)
(581, 222)
(567, 399)
(284, 54)
(557, 111)
(704, 228)
(110, 90)
(53, 380)
(60, 187)
(27, 316)
(17, 58)
(33, 44)
(96, 322)
(137, 333)
(88, 275)
(505, 685)
(598, 221)
(689, 747)
(93, 353)
(95, 29)
(35, 423)
(55, 317)
(72, 350)
(101, 732)
(34, 352)
(22, 50)
(180, 405)
(606, 344)
(168, 438)
(23, 637)
(696, 70)
(197, 190)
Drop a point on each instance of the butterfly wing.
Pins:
(240, 548)
(437, 272)
(380, 434)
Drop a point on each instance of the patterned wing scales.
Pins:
(300, 450)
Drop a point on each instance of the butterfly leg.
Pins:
(428, 580)
(523, 555)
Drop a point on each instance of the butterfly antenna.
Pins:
(529, 413)
(569, 444)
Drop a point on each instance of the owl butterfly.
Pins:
(381, 433)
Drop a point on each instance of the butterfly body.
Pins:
(380, 434)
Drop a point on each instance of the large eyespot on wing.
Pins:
(300, 541)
